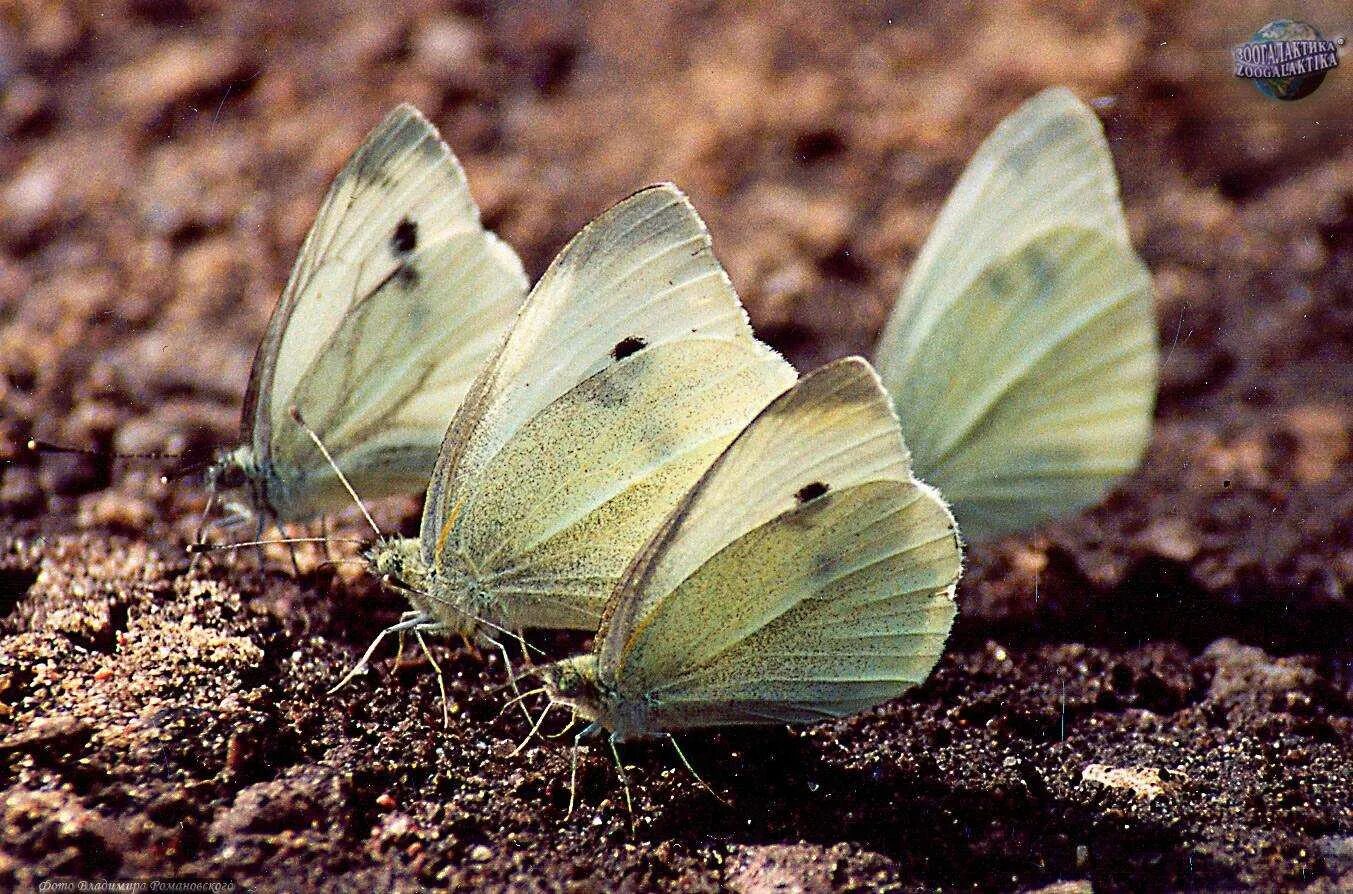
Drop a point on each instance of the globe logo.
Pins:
(1286, 59)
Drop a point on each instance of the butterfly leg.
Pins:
(324, 533)
(535, 728)
(620, 770)
(260, 525)
(687, 764)
(573, 775)
(399, 651)
(511, 677)
(291, 547)
(436, 668)
(360, 667)
(200, 535)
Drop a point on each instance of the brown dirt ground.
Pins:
(160, 161)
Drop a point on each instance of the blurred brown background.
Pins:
(161, 160)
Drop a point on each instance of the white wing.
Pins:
(807, 575)
(994, 323)
(396, 299)
(630, 366)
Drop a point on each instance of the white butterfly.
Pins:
(398, 297)
(807, 575)
(629, 368)
(1022, 354)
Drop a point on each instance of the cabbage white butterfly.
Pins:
(1022, 354)
(397, 298)
(807, 575)
(629, 368)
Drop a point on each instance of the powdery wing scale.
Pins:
(387, 383)
(641, 275)
(807, 563)
(1055, 399)
(402, 191)
(559, 512)
(945, 349)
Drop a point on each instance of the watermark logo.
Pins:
(1286, 59)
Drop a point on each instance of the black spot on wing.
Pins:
(405, 237)
(627, 346)
(811, 492)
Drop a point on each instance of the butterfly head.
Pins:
(232, 469)
(573, 682)
(398, 562)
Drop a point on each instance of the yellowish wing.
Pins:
(985, 329)
(401, 193)
(633, 305)
(807, 575)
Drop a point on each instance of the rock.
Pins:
(307, 796)
(799, 868)
(1337, 852)
(449, 50)
(21, 492)
(1171, 538)
(1247, 671)
(47, 735)
(175, 73)
(1144, 782)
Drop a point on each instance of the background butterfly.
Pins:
(1022, 354)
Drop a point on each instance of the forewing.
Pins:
(402, 185)
(558, 513)
(1045, 169)
(641, 275)
(808, 538)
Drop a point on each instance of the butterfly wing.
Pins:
(397, 296)
(807, 574)
(629, 368)
(1027, 300)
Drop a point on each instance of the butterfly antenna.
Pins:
(198, 548)
(38, 446)
(296, 416)
(522, 676)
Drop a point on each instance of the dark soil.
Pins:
(1157, 694)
